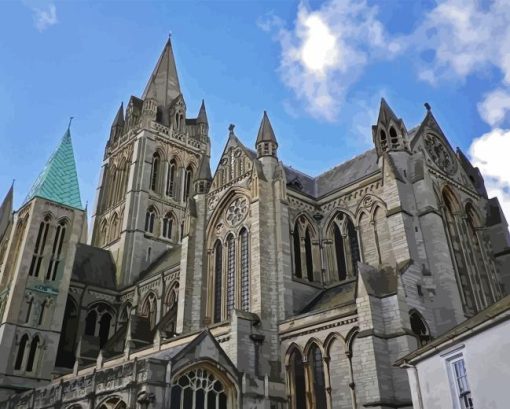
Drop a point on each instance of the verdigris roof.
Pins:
(342, 175)
(95, 266)
(58, 180)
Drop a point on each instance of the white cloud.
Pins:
(490, 153)
(495, 106)
(465, 36)
(44, 13)
(326, 50)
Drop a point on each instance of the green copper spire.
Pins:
(58, 181)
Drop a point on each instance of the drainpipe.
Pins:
(407, 365)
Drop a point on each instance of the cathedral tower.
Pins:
(35, 271)
(150, 163)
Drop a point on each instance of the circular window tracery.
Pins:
(236, 211)
(440, 154)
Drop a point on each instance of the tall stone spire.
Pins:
(266, 143)
(58, 180)
(118, 124)
(163, 85)
(6, 211)
(202, 114)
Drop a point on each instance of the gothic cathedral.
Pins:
(257, 286)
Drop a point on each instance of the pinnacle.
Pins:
(119, 118)
(204, 172)
(202, 114)
(266, 133)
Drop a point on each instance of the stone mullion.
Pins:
(304, 271)
(348, 256)
(352, 385)
(330, 259)
(327, 381)
(457, 223)
(290, 387)
(308, 384)
(360, 245)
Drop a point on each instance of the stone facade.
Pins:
(256, 287)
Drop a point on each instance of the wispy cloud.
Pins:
(325, 51)
(44, 13)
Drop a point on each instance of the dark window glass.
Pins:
(90, 323)
(340, 254)
(245, 272)
(31, 356)
(21, 351)
(217, 281)
(297, 252)
(308, 255)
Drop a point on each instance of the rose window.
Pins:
(236, 211)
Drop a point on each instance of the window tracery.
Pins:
(419, 328)
(303, 235)
(168, 225)
(156, 160)
(98, 322)
(150, 217)
(149, 309)
(188, 180)
(199, 388)
(170, 180)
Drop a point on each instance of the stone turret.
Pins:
(266, 143)
(204, 177)
(389, 134)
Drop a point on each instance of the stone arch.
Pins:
(66, 347)
(171, 295)
(309, 345)
(149, 308)
(296, 377)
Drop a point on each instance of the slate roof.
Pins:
(499, 312)
(170, 258)
(342, 175)
(340, 294)
(95, 266)
(58, 181)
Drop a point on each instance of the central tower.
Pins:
(150, 163)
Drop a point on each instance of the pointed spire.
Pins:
(163, 85)
(202, 114)
(119, 118)
(386, 113)
(204, 172)
(58, 180)
(266, 133)
(6, 210)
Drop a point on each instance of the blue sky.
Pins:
(318, 68)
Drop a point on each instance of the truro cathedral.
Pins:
(256, 287)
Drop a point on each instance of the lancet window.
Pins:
(98, 322)
(297, 378)
(188, 180)
(156, 161)
(218, 279)
(21, 352)
(149, 309)
(40, 244)
(341, 248)
(171, 178)
(150, 217)
(303, 238)
(168, 225)
(56, 252)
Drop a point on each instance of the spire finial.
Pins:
(231, 129)
(427, 106)
(70, 120)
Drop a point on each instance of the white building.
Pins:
(468, 367)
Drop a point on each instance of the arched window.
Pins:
(32, 354)
(150, 216)
(451, 211)
(104, 233)
(297, 252)
(198, 389)
(339, 253)
(384, 141)
(30, 303)
(125, 313)
(171, 296)
(308, 255)
(393, 137)
(419, 328)
(149, 309)
(90, 323)
(21, 352)
(188, 179)
(245, 271)
(218, 264)
(114, 232)
(104, 329)
(170, 179)
(476, 255)
(113, 402)
(42, 312)
(297, 381)
(40, 243)
(65, 355)
(168, 224)
(155, 172)
(56, 252)
(231, 274)
(353, 245)
(317, 381)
